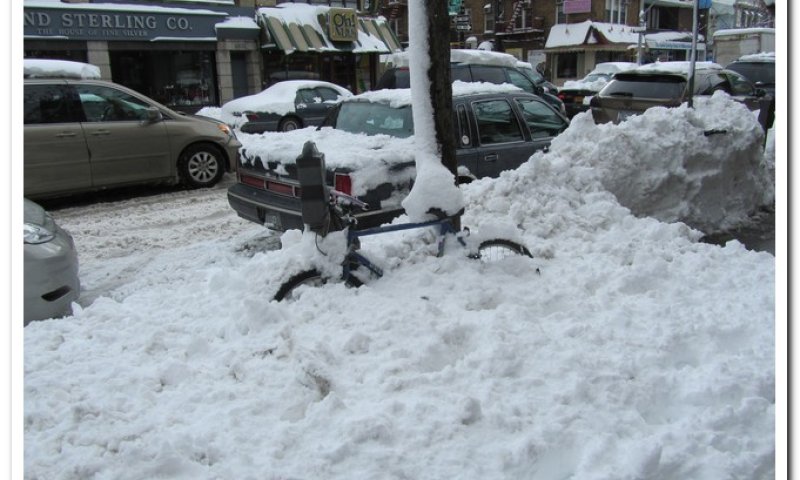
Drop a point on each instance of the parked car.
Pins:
(51, 280)
(474, 66)
(368, 142)
(538, 79)
(84, 134)
(284, 106)
(666, 84)
(576, 94)
(759, 68)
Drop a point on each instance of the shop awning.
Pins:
(304, 28)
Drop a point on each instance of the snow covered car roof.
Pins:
(677, 67)
(399, 97)
(465, 56)
(765, 57)
(278, 98)
(46, 68)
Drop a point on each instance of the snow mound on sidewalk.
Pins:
(662, 163)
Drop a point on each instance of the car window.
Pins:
(665, 87)
(462, 127)
(482, 73)
(757, 72)
(739, 84)
(460, 73)
(541, 119)
(306, 95)
(49, 104)
(521, 81)
(375, 118)
(327, 94)
(496, 122)
(106, 104)
(708, 84)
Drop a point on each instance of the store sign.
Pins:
(577, 6)
(342, 25)
(86, 24)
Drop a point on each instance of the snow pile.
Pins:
(662, 163)
(43, 68)
(623, 350)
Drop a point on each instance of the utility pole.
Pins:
(439, 76)
(693, 53)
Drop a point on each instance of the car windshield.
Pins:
(756, 72)
(593, 77)
(375, 118)
(645, 86)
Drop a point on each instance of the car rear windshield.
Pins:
(756, 72)
(394, 78)
(375, 118)
(642, 86)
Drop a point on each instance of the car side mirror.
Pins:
(154, 115)
(538, 89)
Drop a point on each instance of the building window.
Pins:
(523, 17)
(183, 80)
(488, 18)
(567, 65)
(561, 17)
(616, 11)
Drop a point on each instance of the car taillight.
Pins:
(281, 188)
(251, 181)
(562, 96)
(343, 183)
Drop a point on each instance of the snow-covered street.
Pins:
(625, 349)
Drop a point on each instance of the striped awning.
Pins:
(301, 28)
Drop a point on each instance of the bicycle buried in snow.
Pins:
(325, 210)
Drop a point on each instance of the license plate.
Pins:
(578, 99)
(272, 220)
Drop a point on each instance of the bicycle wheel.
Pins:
(499, 248)
(311, 278)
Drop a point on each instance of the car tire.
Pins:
(290, 123)
(201, 165)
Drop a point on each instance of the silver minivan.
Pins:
(89, 134)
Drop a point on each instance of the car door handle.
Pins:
(99, 133)
(65, 134)
(492, 157)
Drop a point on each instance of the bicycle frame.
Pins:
(445, 227)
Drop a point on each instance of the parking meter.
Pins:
(314, 195)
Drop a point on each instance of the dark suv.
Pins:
(759, 68)
(494, 131)
(490, 67)
(666, 84)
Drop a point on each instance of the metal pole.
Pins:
(693, 53)
(639, 46)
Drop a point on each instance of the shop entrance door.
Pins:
(239, 71)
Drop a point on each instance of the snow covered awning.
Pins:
(607, 36)
(310, 28)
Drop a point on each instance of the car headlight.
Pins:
(35, 234)
(225, 129)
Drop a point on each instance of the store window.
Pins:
(183, 80)
(567, 65)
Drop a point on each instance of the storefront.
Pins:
(331, 44)
(185, 58)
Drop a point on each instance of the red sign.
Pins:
(577, 6)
